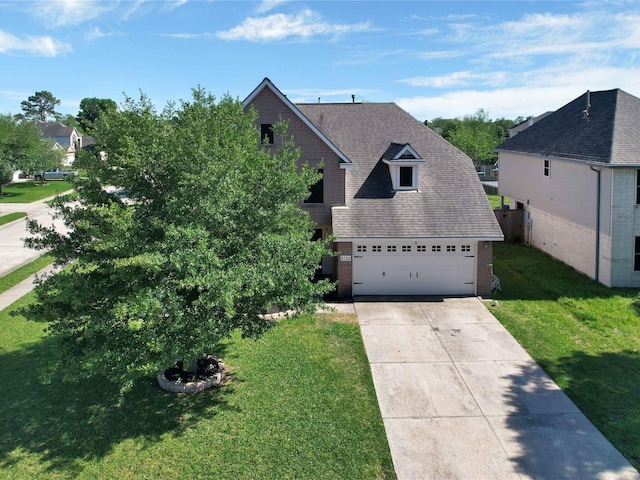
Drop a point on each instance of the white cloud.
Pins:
(96, 32)
(281, 26)
(30, 45)
(187, 36)
(458, 79)
(59, 13)
(531, 94)
(268, 5)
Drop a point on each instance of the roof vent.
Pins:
(585, 112)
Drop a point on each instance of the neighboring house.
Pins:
(67, 139)
(576, 173)
(406, 209)
(526, 124)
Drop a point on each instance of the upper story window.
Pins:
(638, 187)
(636, 256)
(404, 163)
(266, 133)
(317, 190)
(546, 168)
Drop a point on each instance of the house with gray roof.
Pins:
(576, 175)
(406, 209)
(67, 139)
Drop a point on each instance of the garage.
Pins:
(414, 268)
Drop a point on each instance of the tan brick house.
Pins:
(406, 208)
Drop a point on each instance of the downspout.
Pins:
(597, 277)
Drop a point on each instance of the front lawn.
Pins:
(32, 191)
(300, 404)
(585, 335)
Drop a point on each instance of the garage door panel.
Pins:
(401, 273)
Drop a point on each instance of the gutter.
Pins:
(599, 172)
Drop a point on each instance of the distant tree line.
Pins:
(476, 135)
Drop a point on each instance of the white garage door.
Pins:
(414, 268)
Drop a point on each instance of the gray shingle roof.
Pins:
(610, 133)
(450, 202)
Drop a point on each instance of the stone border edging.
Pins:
(192, 387)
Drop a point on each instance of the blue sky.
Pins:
(433, 58)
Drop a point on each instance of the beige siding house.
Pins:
(576, 173)
(406, 209)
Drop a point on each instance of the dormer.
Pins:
(404, 163)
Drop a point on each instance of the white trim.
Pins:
(267, 83)
(417, 239)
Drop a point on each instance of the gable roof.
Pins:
(601, 127)
(56, 130)
(266, 83)
(450, 202)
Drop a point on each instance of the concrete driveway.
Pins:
(461, 399)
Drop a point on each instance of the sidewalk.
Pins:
(21, 289)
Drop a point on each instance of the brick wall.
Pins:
(483, 268)
(312, 151)
(625, 227)
(345, 268)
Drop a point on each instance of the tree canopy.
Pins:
(476, 135)
(91, 109)
(183, 232)
(39, 106)
(21, 148)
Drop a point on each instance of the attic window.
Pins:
(406, 177)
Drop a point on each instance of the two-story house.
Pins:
(576, 173)
(67, 139)
(406, 209)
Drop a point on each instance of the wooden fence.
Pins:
(512, 224)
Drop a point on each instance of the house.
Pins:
(526, 124)
(67, 139)
(576, 175)
(406, 209)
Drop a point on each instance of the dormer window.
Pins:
(404, 163)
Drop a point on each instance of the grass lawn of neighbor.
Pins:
(32, 191)
(586, 337)
(10, 217)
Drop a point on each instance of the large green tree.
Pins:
(21, 148)
(91, 109)
(39, 106)
(476, 135)
(184, 231)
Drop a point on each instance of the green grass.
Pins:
(20, 274)
(299, 404)
(585, 336)
(494, 200)
(10, 217)
(31, 191)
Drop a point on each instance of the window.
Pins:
(636, 256)
(546, 168)
(638, 187)
(406, 176)
(435, 248)
(421, 248)
(266, 134)
(451, 248)
(376, 248)
(391, 248)
(406, 248)
(317, 191)
(361, 248)
(465, 248)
